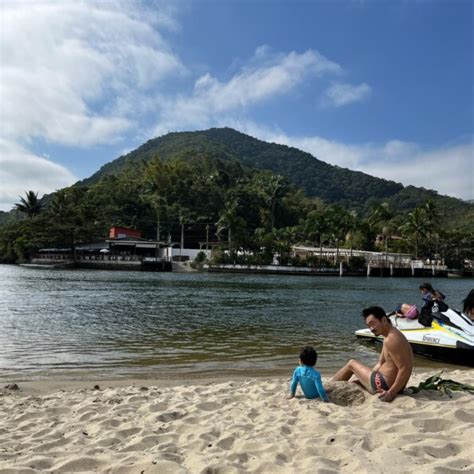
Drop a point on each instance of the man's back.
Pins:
(397, 355)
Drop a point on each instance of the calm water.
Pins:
(70, 324)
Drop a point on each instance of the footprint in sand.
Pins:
(128, 432)
(41, 463)
(226, 443)
(155, 407)
(433, 425)
(171, 416)
(90, 464)
(443, 452)
(454, 467)
(252, 414)
(208, 406)
(463, 415)
(285, 430)
(142, 444)
(87, 415)
(110, 423)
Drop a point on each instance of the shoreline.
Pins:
(177, 267)
(83, 380)
(48, 386)
(215, 425)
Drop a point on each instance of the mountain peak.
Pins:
(352, 189)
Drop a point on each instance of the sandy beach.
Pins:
(232, 426)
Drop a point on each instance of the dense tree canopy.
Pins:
(200, 196)
(249, 195)
(335, 185)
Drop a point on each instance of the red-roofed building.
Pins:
(122, 232)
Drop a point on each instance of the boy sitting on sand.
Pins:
(307, 376)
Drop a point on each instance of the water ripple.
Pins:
(72, 323)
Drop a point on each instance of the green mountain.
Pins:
(331, 183)
(351, 189)
(249, 194)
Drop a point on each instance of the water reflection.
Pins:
(66, 323)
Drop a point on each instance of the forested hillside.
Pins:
(317, 178)
(350, 189)
(246, 194)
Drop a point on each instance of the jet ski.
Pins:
(440, 333)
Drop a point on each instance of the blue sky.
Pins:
(385, 87)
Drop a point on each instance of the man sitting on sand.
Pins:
(393, 370)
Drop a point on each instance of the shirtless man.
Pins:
(393, 370)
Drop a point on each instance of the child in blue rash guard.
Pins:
(308, 378)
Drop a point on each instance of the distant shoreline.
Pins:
(246, 269)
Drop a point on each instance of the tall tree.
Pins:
(230, 220)
(431, 215)
(273, 188)
(338, 226)
(415, 227)
(352, 226)
(284, 238)
(30, 204)
(381, 218)
(315, 227)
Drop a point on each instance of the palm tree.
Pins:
(431, 215)
(158, 185)
(30, 205)
(315, 226)
(387, 233)
(415, 227)
(273, 188)
(184, 216)
(337, 219)
(380, 214)
(380, 218)
(60, 206)
(284, 238)
(230, 220)
(352, 224)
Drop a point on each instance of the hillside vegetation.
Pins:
(350, 189)
(249, 195)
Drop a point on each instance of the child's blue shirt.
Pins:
(310, 381)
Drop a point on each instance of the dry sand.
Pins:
(234, 426)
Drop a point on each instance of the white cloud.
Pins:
(22, 171)
(65, 63)
(82, 73)
(265, 77)
(76, 74)
(218, 103)
(448, 170)
(339, 94)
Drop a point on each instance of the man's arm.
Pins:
(401, 356)
(380, 362)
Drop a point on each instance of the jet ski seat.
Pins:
(406, 324)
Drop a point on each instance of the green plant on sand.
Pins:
(444, 386)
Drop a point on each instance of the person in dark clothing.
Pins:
(428, 293)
